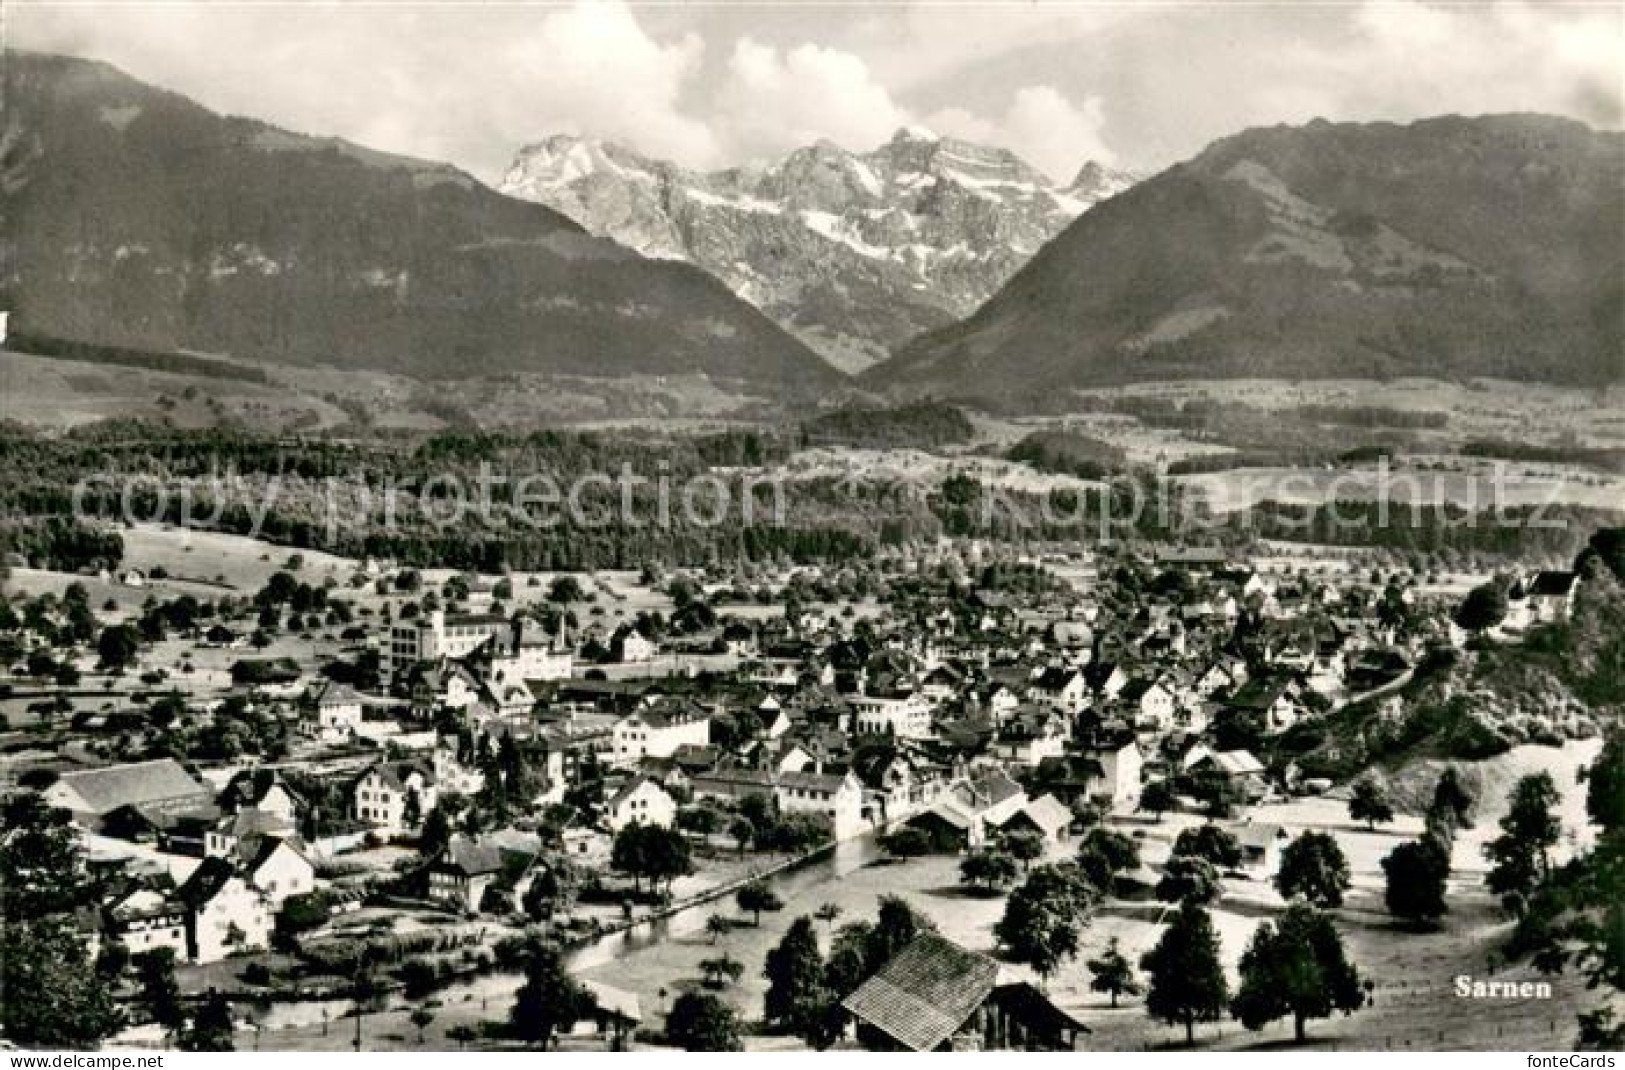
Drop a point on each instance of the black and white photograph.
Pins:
(786, 526)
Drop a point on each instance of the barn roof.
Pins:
(161, 780)
(925, 993)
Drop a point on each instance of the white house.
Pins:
(143, 919)
(635, 647)
(381, 797)
(1120, 773)
(839, 798)
(640, 801)
(1063, 688)
(337, 708)
(225, 914)
(279, 868)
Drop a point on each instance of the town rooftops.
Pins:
(925, 993)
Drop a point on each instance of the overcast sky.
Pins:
(1137, 85)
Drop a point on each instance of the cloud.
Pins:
(1041, 126)
(461, 82)
(712, 85)
(774, 99)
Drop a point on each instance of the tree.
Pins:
(797, 1000)
(1189, 879)
(1210, 842)
(550, 1001)
(1296, 967)
(565, 589)
(41, 870)
(421, 1018)
(1104, 854)
(1313, 866)
(756, 897)
(212, 1026)
(988, 870)
(1415, 874)
(1113, 974)
(721, 971)
(554, 889)
(717, 925)
(1484, 607)
(650, 851)
(828, 913)
(742, 830)
(906, 842)
(160, 994)
(1604, 779)
(1187, 983)
(1368, 802)
(1521, 855)
(1042, 918)
(45, 958)
(895, 928)
(1158, 797)
(1451, 796)
(700, 1021)
(435, 836)
(1024, 847)
(117, 647)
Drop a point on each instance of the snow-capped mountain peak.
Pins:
(853, 252)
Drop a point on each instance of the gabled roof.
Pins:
(627, 790)
(250, 787)
(1046, 813)
(333, 693)
(470, 859)
(161, 780)
(925, 993)
(1053, 679)
(266, 846)
(395, 774)
(205, 882)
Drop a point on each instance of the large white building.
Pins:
(435, 635)
(657, 732)
(904, 716)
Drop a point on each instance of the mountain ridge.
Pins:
(139, 218)
(852, 252)
(1446, 247)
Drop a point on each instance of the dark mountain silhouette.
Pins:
(1450, 247)
(137, 218)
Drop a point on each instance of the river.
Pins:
(498, 988)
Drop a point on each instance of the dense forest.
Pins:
(583, 499)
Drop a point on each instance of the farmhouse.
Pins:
(936, 996)
(158, 787)
(460, 874)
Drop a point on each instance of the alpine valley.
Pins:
(854, 253)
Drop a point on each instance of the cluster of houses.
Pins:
(965, 714)
(197, 870)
